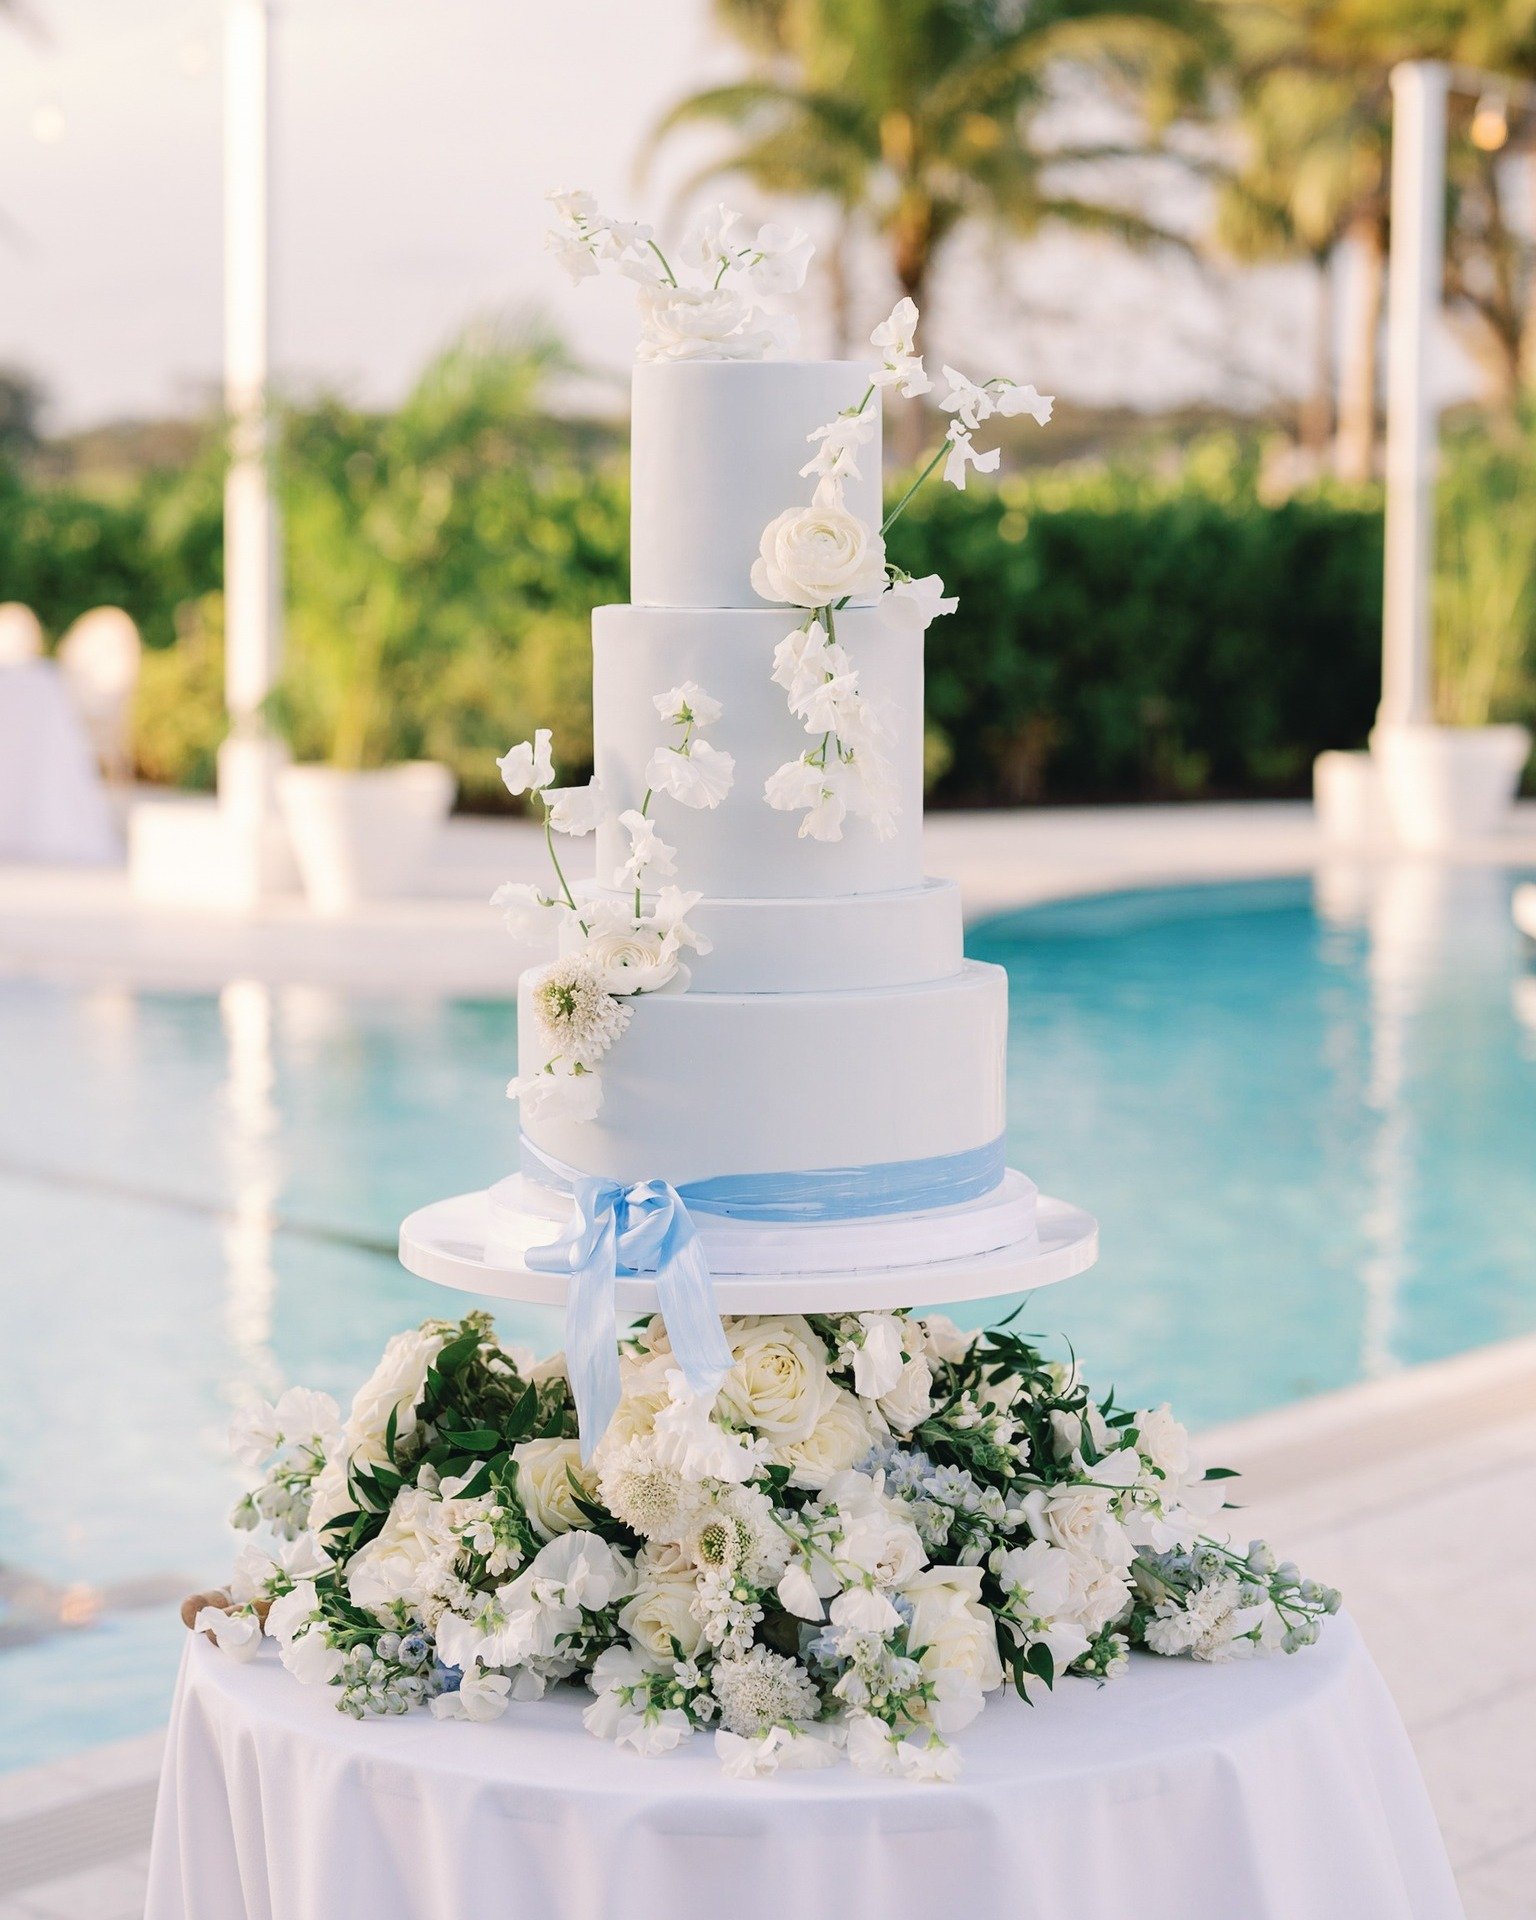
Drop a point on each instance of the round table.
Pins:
(1277, 1789)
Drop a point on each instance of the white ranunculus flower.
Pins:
(907, 1404)
(697, 323)
(238, 1634)
(577, 810)
(415, 1533)
(478, 1696)
(818, 555)
(700, 777)
(660, 1610)
(544, 1472)
(844, 1432)
(779, 1383)
(687, 704)
(958, 1642)
(637, 961)
(529, 766)
(879, 1359)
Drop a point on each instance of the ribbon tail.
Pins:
(588, 1250)
(685, 1292)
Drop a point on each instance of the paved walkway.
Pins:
(1416, 1494)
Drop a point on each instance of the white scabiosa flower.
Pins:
(575, 1012)
(760, 1689)
(646, 1494)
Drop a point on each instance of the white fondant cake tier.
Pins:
(701, 1085)
(716, 449)
(524, 1214)
(743, 849)
(821, 946)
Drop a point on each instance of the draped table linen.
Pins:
(1280, 1789)
(53, 804)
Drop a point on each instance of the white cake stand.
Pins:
(446, 1243)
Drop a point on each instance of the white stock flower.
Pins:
(237, 1634)
(478, 1696)
(563, 1090)
(688, 704)
(1013, 399)
(925, 597)
(528, 767)
(837, 446)
(900, 365)
(545, 1469)
(760, 1689)
(779, 1750)
(525, 908)
(818, 555)
(648, 852)
(699, 777)
(577, 1016)
(779, 1384)
(955, 1641)
(962, 455)
(660, 1611)
(577, 810)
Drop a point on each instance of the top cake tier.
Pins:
(716, 452)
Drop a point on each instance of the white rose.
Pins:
(910, 1401)
(843, 1434)
(395, 1386)
(389, 1567)
(817, 555)
(544, 1468)
(1079, 1519)
(661, 1608)
(1099, 1593)
(1067, 1431)
(643, 1393)
(779, 1383)
(1163, 1442)
(944, 1339)
(638, 961)
(958, 1642)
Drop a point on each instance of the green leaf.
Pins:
(1042, 1663)
(1222, 1473)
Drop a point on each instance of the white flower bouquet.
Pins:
(875, 1522)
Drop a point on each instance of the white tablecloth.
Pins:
(53, 805)
(1276, 1790)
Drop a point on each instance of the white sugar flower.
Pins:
(701, 776)
(969, 403)
(925, 597)
(529, 766)
(648, 852)
(577, 810)
(900, 365)
(962, 455)
(1012, 399)
(478, 1696)
(761, 1689)
(564, 1090)
(575, 1013)
(837, 445)
(687, 705)
(524, 907)
(819, 555)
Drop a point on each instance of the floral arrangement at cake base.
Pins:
(875, 1522)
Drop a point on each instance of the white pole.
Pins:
(1419, 89)
(252, 599)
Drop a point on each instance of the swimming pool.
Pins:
(1306, 1116)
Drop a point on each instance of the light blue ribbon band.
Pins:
(646, 1228)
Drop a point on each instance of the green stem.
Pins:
(554, 858)
(666, 265)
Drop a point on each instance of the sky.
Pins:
(414, 140)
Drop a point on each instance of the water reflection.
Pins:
(253, 1166)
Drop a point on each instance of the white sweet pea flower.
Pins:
(648, 852)
(716, 238)
(563, 1090)
(837, 446)
(669, 916)
(969, 403)
(577, 810)
(254, 1433)
(686, 1438)
(478, 1696)
(832, 706)
(962, 454)
(900, 366)
(1012, 399)
(925, 597)
(878, 1361)
(778, 259)
(864, 1610)
(524, 908)
(779, 1750)
(927, 1760)
(806, 656)
(797, 1593)
(572, 253)
(529, 766)
(311, 1659)
(294, 1612)
(237, 1634)
(701, 776)
(688, 705)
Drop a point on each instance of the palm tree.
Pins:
(918, 116)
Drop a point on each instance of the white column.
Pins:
(1415, 271)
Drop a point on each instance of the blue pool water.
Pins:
(1305, 1117)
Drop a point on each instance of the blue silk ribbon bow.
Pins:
(616, 1229)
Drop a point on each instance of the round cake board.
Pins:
(446, 1243)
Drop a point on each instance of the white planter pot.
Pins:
(1446, 785)
(1346, 793)
(363, 836)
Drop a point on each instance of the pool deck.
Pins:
(1415, 1493)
